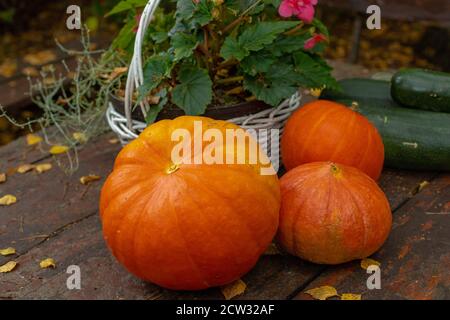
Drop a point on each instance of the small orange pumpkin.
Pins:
(187, 226)
(327, 131)
(332, 214)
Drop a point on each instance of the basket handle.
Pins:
(135, 76)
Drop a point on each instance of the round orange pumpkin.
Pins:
(327, 131)
(187, 226)
(332, 214)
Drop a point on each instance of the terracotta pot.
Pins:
(214, 112)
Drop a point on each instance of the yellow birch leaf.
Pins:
(233, 289)
(422, 185)
(58, 149)
(7, 251)
(33, 139)
(47, 263)
(350, 296)
(316, 92)
(322, 293)
(88, 179)
(114, 141)
(8, 267)
(80, 137)
(43, 167)
(7, 200)
(25, 168)
(40, 58)
(2, 177)
(365, 263)
(117, 72)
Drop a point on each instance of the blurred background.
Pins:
(414, 33)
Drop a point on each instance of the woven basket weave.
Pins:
(128, 129)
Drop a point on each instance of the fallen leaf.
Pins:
(7, 251)
(25, 168)
(90, 178)
(30, 71)
(350, 296)
(40, 58)
(2, 177)
(8, 267)
(365, 263)
(40, 168)
(272, 250)
(59, 149)
(8, 68)
(117, 72)
(79, 137)
(315, 92)
(233, 289)
(322, 293)
(47, 263)
(422, 185)
(7, 200)
(114, 141)
(33, 139)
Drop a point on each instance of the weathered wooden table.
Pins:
(56, 216)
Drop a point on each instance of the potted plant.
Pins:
(220, 58)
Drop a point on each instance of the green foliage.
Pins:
(189, 47)
(194, 91)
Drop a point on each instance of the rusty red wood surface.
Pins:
(57, 217)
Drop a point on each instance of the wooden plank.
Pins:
(80, 243)
(415, 261)
(50, 201)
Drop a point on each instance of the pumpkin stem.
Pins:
(173, 168)
(336, 171)
(355, 106)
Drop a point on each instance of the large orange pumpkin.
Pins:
(332, 214)
(327, 131)
(187, 226)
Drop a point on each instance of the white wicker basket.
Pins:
(128, 129)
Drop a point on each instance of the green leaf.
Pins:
(203, 12)
(126, 5)
(183, 45)
(321, 27)
(254, 38)
(264, 33)
(313, 71)
(289, 44)
(231, 48)
(185, 9)
(152, 114)
(156, 69)
(270, 92)
(194, 92)
(259, 62)
(125, 38)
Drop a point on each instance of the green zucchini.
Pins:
(361, 89)
(422, 89)
(413, 139)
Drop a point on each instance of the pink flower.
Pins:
(303, 9)
(311, 42)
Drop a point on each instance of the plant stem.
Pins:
(294, 30)
(235, 91)
(240, 18)
(230, 80)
